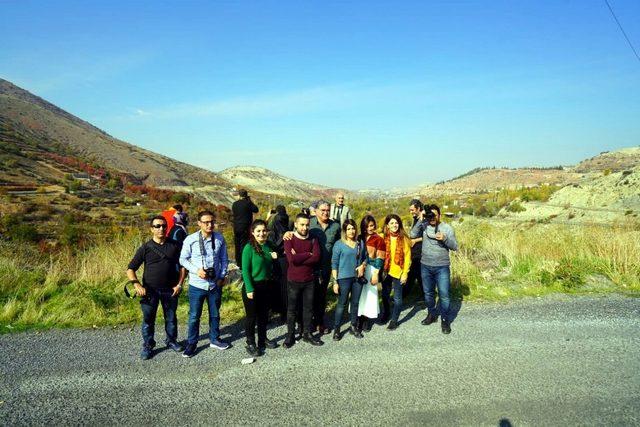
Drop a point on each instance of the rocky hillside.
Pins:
(490, 179)
(601, 198)
(37, 127)
(266, 181)
(614, 161)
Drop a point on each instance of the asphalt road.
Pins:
(552, 361)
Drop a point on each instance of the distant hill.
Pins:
(614, 161)
(37, 127)
(490, 179)
(266, 181)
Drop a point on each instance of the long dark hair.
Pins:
(252, 240)
(364, 224)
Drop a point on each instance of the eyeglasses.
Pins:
(159, 226)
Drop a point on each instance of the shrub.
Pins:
(23, 233)
(516, 207)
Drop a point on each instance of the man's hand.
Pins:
(288, 235)
(274, 255)
(201, 273)
(140, 291)
(250, 295)
(221, 282)
(441, 236)
(360, 270)
(176, 290)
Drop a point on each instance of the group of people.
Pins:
(288, 268)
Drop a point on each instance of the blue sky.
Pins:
(351, 94)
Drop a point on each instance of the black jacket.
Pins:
(243, 211)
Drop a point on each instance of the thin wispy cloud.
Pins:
(64, 72)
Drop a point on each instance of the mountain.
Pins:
(266, 181)
(39, 129)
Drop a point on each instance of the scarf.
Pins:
(398, 256)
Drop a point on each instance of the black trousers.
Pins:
(299, 291)
(414, 274)
(257, 310)
(240, 238)
(279, 294)
(320, 296)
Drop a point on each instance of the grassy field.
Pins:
(83, 288)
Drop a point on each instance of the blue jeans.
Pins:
(389, 283)
(432, 277)
(348, 286)
(197, 297)
(149, 305)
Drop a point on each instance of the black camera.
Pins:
(362, 280)
(210, 273)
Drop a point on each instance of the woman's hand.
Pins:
(374, 279)
(360, 270)
(336, 289)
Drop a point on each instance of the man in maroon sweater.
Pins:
(303, 255)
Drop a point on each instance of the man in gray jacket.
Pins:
(438, 238)
(339, 212)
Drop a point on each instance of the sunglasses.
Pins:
(158, 226)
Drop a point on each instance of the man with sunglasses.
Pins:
(161, 284)
(204, 254)
(438, 238)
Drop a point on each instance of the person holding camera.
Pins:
(161, 284)
(397, 262)
(243, 210)
(348, 262)
(258, 258)
(438, 238)
(204, 255)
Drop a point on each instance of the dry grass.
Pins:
(495, 262)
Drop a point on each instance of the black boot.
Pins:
(446, 327)
(336, 334)
(366, 324)
(289, 341)
(310, 339)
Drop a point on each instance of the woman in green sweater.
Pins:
(257, 259)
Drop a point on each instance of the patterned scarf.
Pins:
(398, 256)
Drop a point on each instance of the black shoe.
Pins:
(384, 319)
(366, 325)
(310, 339)
(146, 353)
(429, 319)
(446, 327)
(355, 331)
(392, 325)
(270, 344)
(189, 351)
(175, 346)
(336, 334)
(252, 350)
(289, 341)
